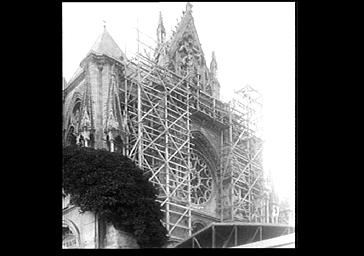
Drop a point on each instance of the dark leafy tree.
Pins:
(113, 187)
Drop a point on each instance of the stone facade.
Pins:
(93, 117)
(90, 112)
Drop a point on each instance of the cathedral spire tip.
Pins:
(189, 7)
(160, 23)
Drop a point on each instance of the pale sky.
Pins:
(254, 44)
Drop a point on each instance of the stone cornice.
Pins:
(68, 209)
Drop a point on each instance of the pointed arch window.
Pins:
(203, 170)
(119, 145)
(76, 115)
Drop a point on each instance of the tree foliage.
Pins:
(112, 186)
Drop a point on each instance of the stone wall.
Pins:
(88, 227)
(115, 239)
(85, 223)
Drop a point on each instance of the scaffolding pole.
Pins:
(157, 101)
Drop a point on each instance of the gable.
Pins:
(186, 34)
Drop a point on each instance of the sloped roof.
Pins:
(105, 44)
(74, 77)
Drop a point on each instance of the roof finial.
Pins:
(161, 31)
(160, 17)
(104, 23)
(213, 64)
(160, 23)
(189, 7)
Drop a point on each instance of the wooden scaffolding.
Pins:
(156, 105)
(242, 187)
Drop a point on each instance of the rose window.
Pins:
(201, 180)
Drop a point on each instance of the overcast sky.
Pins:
(254, 44)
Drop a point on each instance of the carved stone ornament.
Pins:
(189, 52)
(85, 123)
(86, 135)
(112, 123)
(75, 117)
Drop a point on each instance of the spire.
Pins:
(160, 23)
(189, 7)
(214, 82)
(105, 44)
(213, 65)
(161, 31)
(112, 123)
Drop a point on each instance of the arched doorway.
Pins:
(70, 236)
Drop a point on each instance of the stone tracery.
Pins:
(201, 180)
